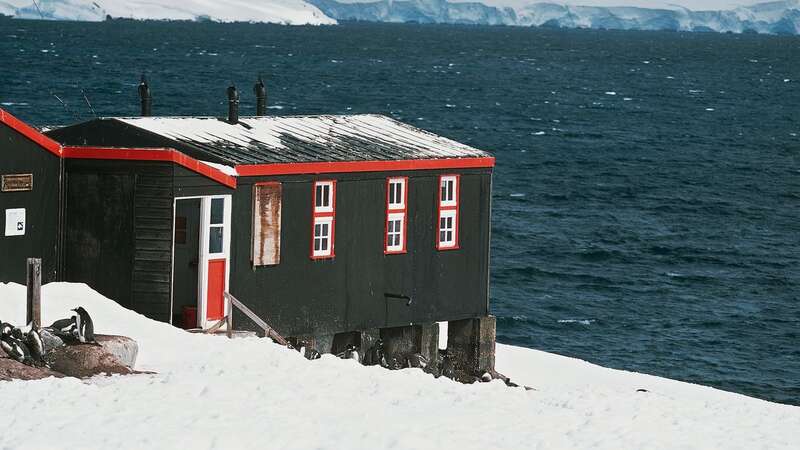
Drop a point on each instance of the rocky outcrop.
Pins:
(13, 370)
(110, 355)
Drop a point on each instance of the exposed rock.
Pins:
(123, 348)
(14, 370)
(50, 340)
(85, 360)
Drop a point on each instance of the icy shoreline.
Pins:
(215, 393)
(771, 17)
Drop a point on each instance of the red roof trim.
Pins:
(362, 166)
(134, 154)
(151, 154)
(30, 132)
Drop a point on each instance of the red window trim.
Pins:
(315, 215)
(457, 198)
(390, 211)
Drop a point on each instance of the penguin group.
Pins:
(28, 347)
(24, 347)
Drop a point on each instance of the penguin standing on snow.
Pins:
(84, 326)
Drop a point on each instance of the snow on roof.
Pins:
(264, 140)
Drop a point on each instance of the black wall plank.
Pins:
(19, 155)
(301, 295)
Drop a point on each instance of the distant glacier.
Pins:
(776, 17)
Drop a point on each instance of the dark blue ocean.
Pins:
(647, 190)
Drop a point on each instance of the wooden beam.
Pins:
(34, 282)
(229, 318)
(268, 330)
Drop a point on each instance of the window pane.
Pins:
(318, 196)
(444, 192)
(324, 244)
(398, 195)
(325, 229)
(317, 230)
(215, 240)
(391, 194)
(217, 210)
(442, 236)
(316, 244)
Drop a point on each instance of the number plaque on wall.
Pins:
(17, 182)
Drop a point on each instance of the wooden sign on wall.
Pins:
(266, 224)
(17, 182)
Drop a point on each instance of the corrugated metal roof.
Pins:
(264, 140)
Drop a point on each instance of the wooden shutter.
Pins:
(266, 224)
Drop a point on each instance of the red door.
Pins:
(215, 307)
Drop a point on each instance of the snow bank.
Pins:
(292, 12)
(215, 393)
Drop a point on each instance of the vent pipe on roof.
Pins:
(145, 97)
(261, 97)
(233, 105)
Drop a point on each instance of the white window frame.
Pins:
(325, 185)
(400, 246)
(452, 199)
(397, 205)
(324, 220)
(445, 214)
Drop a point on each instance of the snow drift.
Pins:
(215, 393)
(290, 12)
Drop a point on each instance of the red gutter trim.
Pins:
(30, 132)
(362, 166)
(151, 154)
(133, 154)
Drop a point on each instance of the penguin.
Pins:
(64, 329)
(84, 326)
(16, 349)
(34, 342)
(5, 329)
(62, 325)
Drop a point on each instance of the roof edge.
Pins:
(364, 166)
(31, 133)
(151, 154)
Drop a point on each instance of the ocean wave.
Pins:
(578, 321)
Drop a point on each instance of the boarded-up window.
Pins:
(266, 224)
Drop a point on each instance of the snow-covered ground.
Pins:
(291, 12)
(215, 393)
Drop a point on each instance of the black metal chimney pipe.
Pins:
(261, 97)
(145, 97)
(233, 105)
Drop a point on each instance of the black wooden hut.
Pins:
(332, 228)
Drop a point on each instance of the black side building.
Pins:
(335, 229)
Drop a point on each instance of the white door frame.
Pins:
(204, 255)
